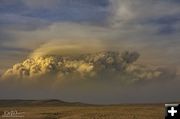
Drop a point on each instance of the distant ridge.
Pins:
(56, 102)
(51, 102)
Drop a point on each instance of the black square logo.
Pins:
(172, 111)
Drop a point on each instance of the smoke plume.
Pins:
(85, 66)
(102, 77)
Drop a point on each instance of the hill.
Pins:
(51, 102)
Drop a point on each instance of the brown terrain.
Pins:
(56, 109)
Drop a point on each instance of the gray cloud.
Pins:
(140, 10)
(36, 4)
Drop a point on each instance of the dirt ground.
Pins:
(85, 112)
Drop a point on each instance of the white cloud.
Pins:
(142, 10)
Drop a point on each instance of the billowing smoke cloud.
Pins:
(109, 64)
(102, 77)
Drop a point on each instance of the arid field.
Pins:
(53, 110)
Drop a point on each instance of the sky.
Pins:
(150, 27)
